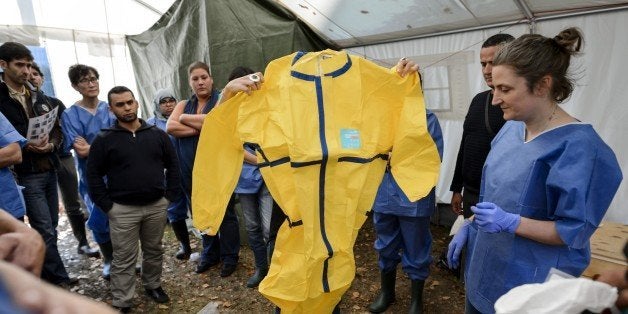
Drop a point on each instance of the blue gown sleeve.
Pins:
(8, 134)
(433, 126)
(69, 128)
(582, 184)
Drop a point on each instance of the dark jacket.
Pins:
(476, 142)
(133, 164)
(15, 113)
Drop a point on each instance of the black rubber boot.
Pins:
(416, 305)
(257, 277)
(180, 230)
(77, 222)
(387, 296)
(107, 255)
(270, 248)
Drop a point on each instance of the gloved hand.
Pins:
(492, 219)
(456, 245)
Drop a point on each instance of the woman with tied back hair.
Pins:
(185, 124)
(546, 183)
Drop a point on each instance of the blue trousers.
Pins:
(178, 210)
(42, 209)
(404, 239)
(225, 245)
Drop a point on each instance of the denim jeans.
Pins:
(257, 210)
(42, 209)
(226, 243)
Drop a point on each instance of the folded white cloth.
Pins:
(572, 295)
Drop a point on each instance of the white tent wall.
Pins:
(107, 53)
(600, 97)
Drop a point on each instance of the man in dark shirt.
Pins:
(20, 101)
(481, 124)
(132, 155)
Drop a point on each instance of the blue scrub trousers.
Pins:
(404, 239)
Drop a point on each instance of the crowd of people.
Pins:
(532, 182)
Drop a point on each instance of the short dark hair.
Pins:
(10, 51)
(497, 39)
(239, 71)
(118, 90)
(36, 67)
(79, 70)
(199, 65)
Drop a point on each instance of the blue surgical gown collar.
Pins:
(330, 63)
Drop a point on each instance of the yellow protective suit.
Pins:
(324, 124)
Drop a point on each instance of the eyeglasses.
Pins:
(166, 101)
(88, 80)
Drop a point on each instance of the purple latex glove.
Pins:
(492, 219)
(456, 245)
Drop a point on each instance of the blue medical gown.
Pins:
(11, 199)
(390, 198)
(177, 210)
(567, 175)
(77, 121)
(250, 180)
(402, 225)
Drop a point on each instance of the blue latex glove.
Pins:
(492, 219)
(456, 245)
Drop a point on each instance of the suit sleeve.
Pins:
(415, 162)
(217, 166)
(96, 170)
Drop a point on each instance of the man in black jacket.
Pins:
(19, 101)
(132, 155)
(481, 124)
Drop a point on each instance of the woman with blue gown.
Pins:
(547, 182)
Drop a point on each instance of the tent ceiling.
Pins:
(110, 16)
(345, 23)
(357, 23)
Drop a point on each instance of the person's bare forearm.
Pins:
(8, 223)
(192, 120)
(10, 155)
(540, 231)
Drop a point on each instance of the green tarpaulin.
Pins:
(223, 33)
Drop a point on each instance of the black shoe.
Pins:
(106, 271)
(158, 295)
(257, 277)
(183, 253)
(204, 266)
(88, 251)
(180, 230)
(416, 305)
(123, 309)
(70, 282)
(227, 270)
(138, 269)
(387, 294)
